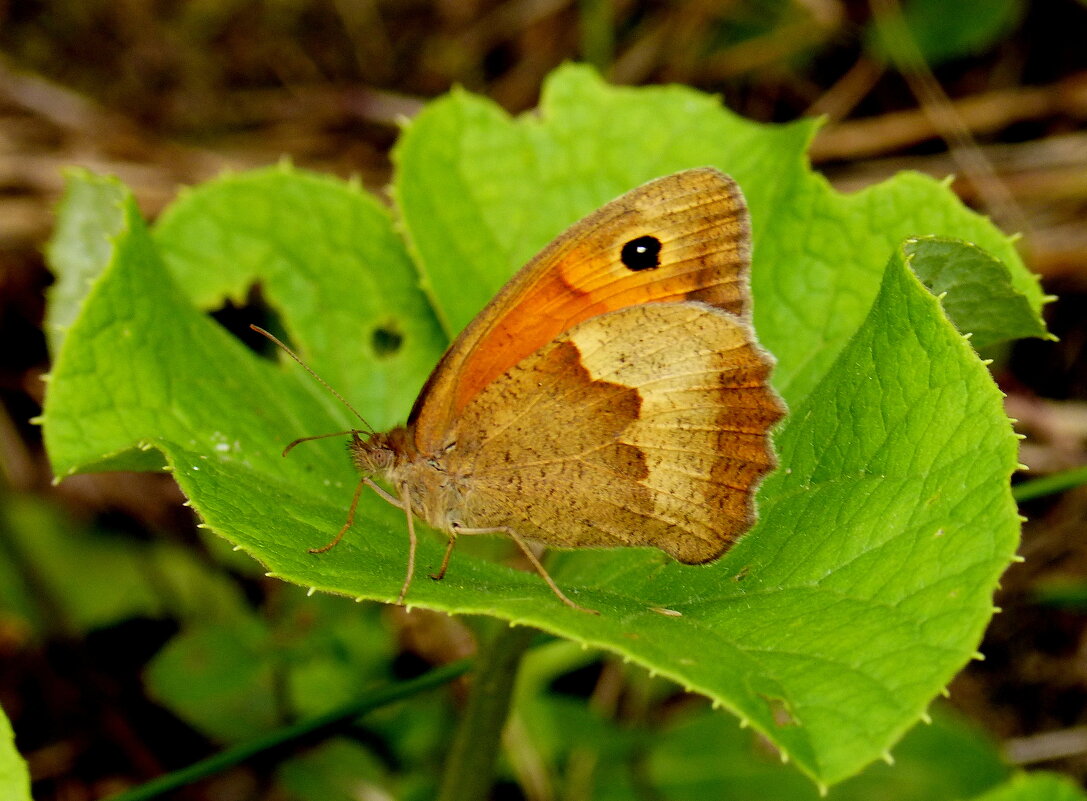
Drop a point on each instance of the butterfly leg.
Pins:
(364, 481)
(448, 552)
(536, 563)
(350, 520)
(406, 506)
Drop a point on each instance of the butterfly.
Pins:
(612, 393)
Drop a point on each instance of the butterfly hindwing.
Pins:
(644, 426)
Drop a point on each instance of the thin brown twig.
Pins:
(983, 113)
(941, 112)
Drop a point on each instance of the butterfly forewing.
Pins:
(683, 237)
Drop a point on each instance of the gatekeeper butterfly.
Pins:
(613, 393)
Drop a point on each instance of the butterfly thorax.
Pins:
(434, 494)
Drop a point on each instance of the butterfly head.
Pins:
(378, 453)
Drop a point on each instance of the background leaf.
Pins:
(944, 31)
(14, 777)
(1036, 787)
(866, 584)
(87, 577)
(91, 213)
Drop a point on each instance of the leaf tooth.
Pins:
(744, 723)
(270, 574)
(997, 610)
(1019, 436)
(926, 718)
(310, 591)
(968, 335)
(946, 693)
(37, 420)
(979, 656)
(1022, 519)
(237, 548)
(822, 788)
(1022, 466)
(784, 757)
(45, 378)
(888, 757)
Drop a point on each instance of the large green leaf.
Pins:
(866, 584)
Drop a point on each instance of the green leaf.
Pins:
(218, 677)
(1039, 786)
(14, 777)
(868, 581)
(335, 771)
(976, 291)
(57, 576)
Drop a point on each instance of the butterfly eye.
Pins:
(642, 253)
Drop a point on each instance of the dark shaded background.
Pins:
(165, 93)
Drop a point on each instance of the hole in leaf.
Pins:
(386, 341)
(237, 318)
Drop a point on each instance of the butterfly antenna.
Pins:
(319, 380)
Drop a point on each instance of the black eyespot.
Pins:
(642, 253)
